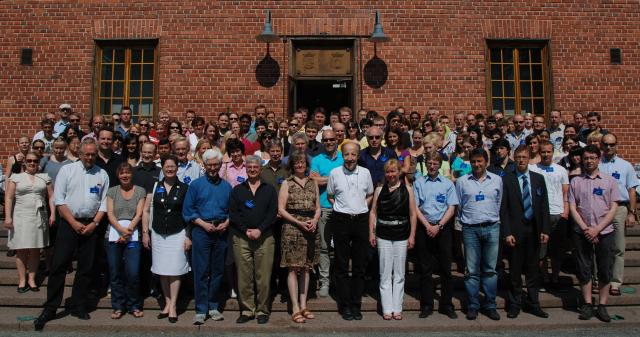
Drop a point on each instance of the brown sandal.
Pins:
(387, 317)
(397, 317)
(117, 314)
(298, 318)
(137, 313)
(614, 292)
(307, 314)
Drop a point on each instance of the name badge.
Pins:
(264, 162)
(94, 190)
(616, 175)
(161, 189)
(384, 159)
(480, 197)
(539, 191)
(441, 198)
(249, 204)
(597, 191)
(280, 180)
(548, 169)
(187, 180)
(240, 179)
(464, 166)
(501, 173)
(521, 141)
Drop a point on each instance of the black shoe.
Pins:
(22, 290)
(586, 312)
(346, 314)
(357, 314)
(425, 312)
(449, 312)
(11, 253)
(493, 314)
(472, 314)
(262, 319)
(243, 319)
(34, 289)
(44, 317)
(81, 315)
(513, 313)
(537, 311)
(602, 313)
(173, 320)
(163, 315)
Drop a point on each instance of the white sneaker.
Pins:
(198, 319)
(233, 294)
(324, 291)
(216, 315)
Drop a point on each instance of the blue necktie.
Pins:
(526, 199)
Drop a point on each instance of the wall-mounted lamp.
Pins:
(378, 35)
(267, 34)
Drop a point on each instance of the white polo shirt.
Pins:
(554, 177)
(350, 189)
(83, 190)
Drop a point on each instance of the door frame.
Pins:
(324, 41)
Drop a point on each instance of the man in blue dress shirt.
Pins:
(206, 205)
(624, 174)
(436, 199)
(480, 196)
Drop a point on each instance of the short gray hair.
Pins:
(299, 135)
(211, 154)
(254, 160)
(87, 141)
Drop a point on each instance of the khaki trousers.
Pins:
(254, 262)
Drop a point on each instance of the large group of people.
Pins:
(252, 205)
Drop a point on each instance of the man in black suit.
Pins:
(525, 225)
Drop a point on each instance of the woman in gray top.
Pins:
(124, 210)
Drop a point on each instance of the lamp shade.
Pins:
(267, 34)
(378, 34)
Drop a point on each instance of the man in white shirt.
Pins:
(80, 197)
(350, 190)
(557, 181)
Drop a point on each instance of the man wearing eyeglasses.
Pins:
(517, 137)
(624, 174)
(65, 110)
(321, 167)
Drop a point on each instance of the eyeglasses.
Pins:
(267, 137)
(609, 144)
(326, 140)
(144, 124)
(74, 120)
(518, 122)
(172, 127)
(293, 124)
(374, 137)
(38, 147)
(31, 161)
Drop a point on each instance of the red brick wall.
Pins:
(208, 53)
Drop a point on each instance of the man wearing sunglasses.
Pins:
(517, 137)
(65, 110)
(375, 156)
(624, 174)
(321, 167)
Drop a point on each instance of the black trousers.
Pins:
(435, 254)
(524, 257)
(351, 242)
(63, 252)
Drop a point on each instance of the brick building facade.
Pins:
(207, 56)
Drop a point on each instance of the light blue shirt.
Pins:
(434, 196)
(84, 191)
(479, 200)
(520, 180)
(623, 172)
(187, 172)
(323, 164)
(59, 127)
(516, 140)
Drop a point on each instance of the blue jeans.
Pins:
(207, 262)
(124, 277)
(481, 253)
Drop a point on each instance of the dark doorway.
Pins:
(330, 94)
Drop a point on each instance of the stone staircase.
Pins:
(9, 298)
